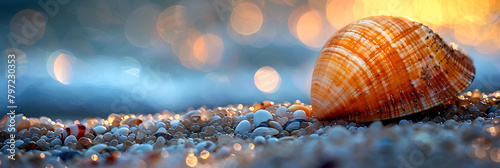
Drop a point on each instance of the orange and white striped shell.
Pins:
(386, 67)
(78, 130)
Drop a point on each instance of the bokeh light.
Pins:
(140, 26)
(63, 70)
(246, 18)
(267, 79)
(172, 23)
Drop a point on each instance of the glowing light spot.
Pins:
(172, 23)
(267, 79)
(76, 122)
(246, 18)
(28, 24)
(204, 53)
(140, 27)
(49, 166)
(309, 28)
(63, 70)
(204, 154)
(94, 157)
(191, 160)
(42, 155)
(177, 116)
(116, 154)
(240, 106)
(237, 147)
(251, 146)
(24, 117)
(339, 13)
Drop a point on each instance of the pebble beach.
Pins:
(463, 132)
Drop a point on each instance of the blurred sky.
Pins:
(93, 58)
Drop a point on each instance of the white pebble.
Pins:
(69, 139)
(263, 131)
(261, 116)
(300, 114)
(123, 131)
(244, 127)
(100, 129)
(281, 111)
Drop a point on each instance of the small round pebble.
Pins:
(100, 129)
(299, 114)
(243, 127)
(259, 140)
(41, 143)
(281, 111)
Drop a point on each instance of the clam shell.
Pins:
(385, 67)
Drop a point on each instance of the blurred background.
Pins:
(96, 57)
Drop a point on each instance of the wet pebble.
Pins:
(70, 139)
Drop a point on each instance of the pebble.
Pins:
(261, 116)
(70, 139)
(263, 131)
(100, 129)
(161, 125)
(259, 140)
(98, 148)
(292, 126)
(162, 130)
(299, 114)
(34, 130)
(281, 111)
(275, 125)
(403, 122)
(41, 143)
(123, 131)
(107, 136)
(55, 142)
(244, 127)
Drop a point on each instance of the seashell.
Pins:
(296, 107)
(78, 130)
(385, 67)
(263, 105)
(131, 121)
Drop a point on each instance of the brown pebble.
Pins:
(43, 131)
(126, 145)
(84, 142)
(31, 145)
